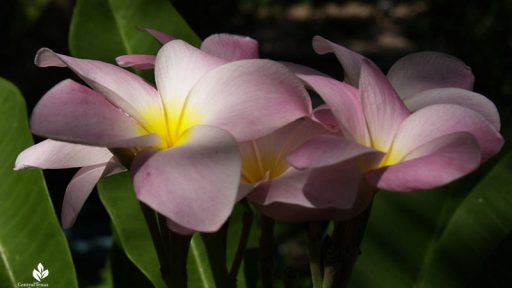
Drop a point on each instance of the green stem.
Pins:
(266, 251)
(242, 246)
(315, 235)
(344, 250)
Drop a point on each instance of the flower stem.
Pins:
(342, 254)
(315, 235)
(215, 244)
(242, 245)
(266, 251)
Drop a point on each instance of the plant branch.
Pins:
(242, 245)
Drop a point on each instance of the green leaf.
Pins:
(30, 233)
(105, 29)
(117, 195)
(438, 238)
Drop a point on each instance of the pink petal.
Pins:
(249, 98)
(81, 187)
(143, 62)
(311, 195)
(231, 47)
(72, 112)
(324, 115)
(428, 70)
(345, 104)
(178, 67)
(326, 150)
(465, 98)
(195, 184)
(350, 60)
(50, 154)
(159, 36)
(433, 164)
(383, 109)
(437, 120)
(122, 88)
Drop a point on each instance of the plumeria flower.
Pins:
(288, 194)
(412, 151)
(182, 136)
(420, 79)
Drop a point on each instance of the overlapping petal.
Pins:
(457, 96)
(159, 35)
(74, 113)
(437, 120)
(51, 154)
(248, 98)
(195, 184)
(433, 164)
(326, 150)
(345, 104)
(231, 47)
(383, 110)
(421, 71)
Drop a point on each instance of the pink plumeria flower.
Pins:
(412, 151)
(288, 194)
(226, 46)
(183, 136)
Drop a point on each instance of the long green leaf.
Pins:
(29, 230)
(105, 29)
(436, 238)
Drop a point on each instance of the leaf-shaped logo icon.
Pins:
(40, 273)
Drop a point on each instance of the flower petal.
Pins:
(195, 184)
(178, 67)
(428, 70)
(437, 120)
(345, 104)
(433, 164)
(51, 154)
(326, 150)
(81, 187)
(465, 98)
(72, 112)
(350, 60)
(333, 192)
(159, 36)
(249, 98)
(122, 88)
(323, 114)
(231, 47)
(139, 61)
(383, 109)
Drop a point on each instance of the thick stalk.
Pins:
(178, 254)
(215, 244)
(266, 251)
(315, 236)
(242, 246)
(344, 250)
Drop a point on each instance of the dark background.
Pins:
(478, 32)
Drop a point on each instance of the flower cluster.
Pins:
(220, 124)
